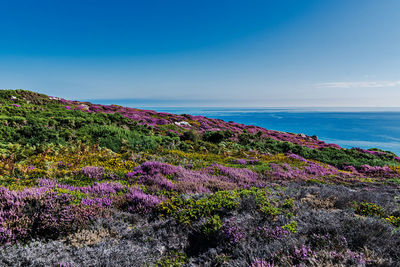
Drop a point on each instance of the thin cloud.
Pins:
(374, 84)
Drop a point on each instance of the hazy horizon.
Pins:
(197, 104)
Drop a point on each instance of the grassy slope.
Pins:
(84, 179)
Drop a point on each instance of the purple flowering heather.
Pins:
(350, 168)
(252, 161)
(274, 233)
(6, 235)
(304, 253)
(153, 174)
(102, 189)
(235, 175)
(261, 263)
(245, 161)
(240, 161)
(97, 189)
(97, 173)
(31, 168)
(297, 157)
(100, 202)
(138, 201)
(63, 165)
(377, 171)
(39, 212)
(231, 231)
(156, 182)
(358, 258)
(372, 152)
(318, 170)
(337, 256)
(162, 176)
(312, 171)
(154, 167)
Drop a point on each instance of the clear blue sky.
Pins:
(205, 53)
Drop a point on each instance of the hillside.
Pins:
(84, 184)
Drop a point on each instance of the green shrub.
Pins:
(261, 197)
(212, 226)
(190, 135)
(395, 221)
(291, 227)
(369, 209)
(214, 137)
(114, 137)
(288, 204)
(174, 259)
(187, 210)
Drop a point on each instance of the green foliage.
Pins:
(52, 123)
(269, 209)
(262, 200)
(329, 155)
(369, 209)
(288, 204)
(394, 180)
(216, 137)
(212, 226)
(395, 221)
(291, 227)
(174, 259)
(40, 120)
(114, 137)
(190, 209)
(190, 135)
(77, 195)
(289, 215)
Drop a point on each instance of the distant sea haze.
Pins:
(347, 127)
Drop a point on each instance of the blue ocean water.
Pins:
(364, 128)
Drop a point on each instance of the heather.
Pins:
(84, 184)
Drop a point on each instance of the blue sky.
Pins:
(325, 53)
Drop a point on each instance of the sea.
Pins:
(347, 127)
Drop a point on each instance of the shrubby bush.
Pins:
(217, 136)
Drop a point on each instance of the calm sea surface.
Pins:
(347, 127)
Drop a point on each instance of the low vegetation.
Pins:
(83, 184)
